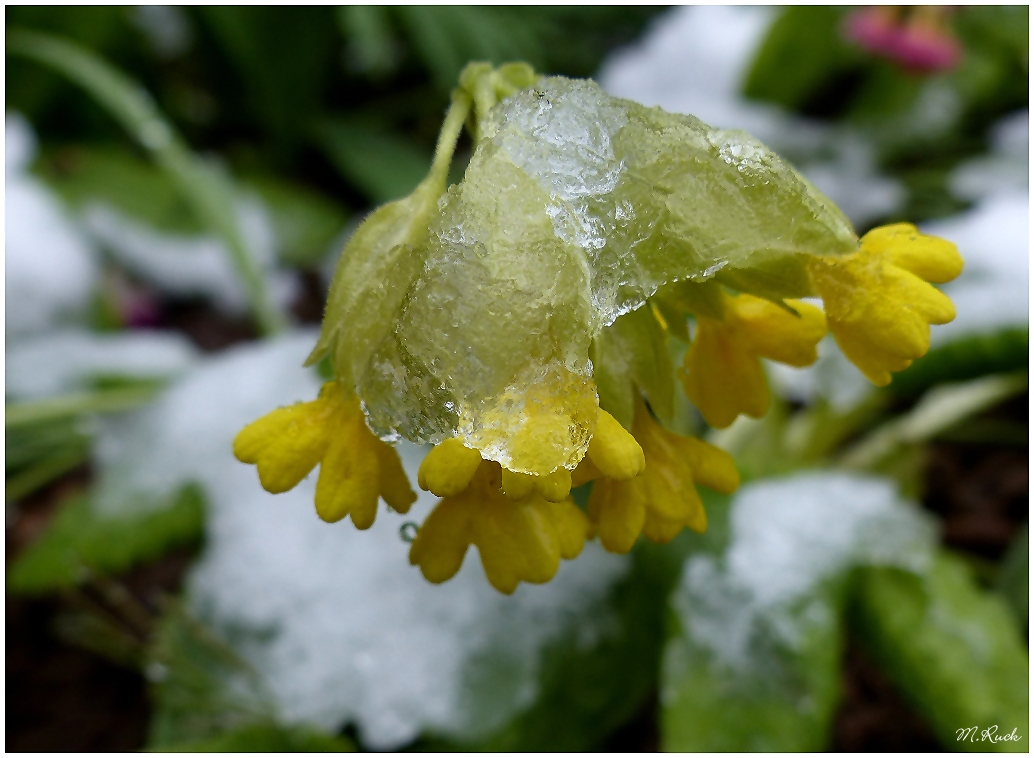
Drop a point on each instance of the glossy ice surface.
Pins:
(575, 208)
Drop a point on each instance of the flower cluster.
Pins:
(521, 321)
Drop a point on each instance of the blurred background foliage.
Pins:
(921, 126)
(319, 114)
(345, 101)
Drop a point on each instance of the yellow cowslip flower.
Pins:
(503, 313)
(355, 466)
(879, 305)
(522, 524)
(723, 376)
(663, 499)
(518, 540)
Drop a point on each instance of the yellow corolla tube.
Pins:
(662, 500)
(522, 524)
(518, 540)
(723, 376)
(879, 302)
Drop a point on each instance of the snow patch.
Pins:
(67, 360)
(49, 267)
(339, 624)
(787, 537)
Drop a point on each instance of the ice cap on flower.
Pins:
(520, 322)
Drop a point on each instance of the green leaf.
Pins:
(119, 178)
(368, 30)
(266, 738)
(952, 648)
(78, 537)
(63, 458)
(207, 188)
(963, 359)
(283, 56)
(382, 165)
(26, 444)
(117, 398)
(201, 688)
(305, 222)
(643, 341)
(801, 53)
(610, 371)
(938, 410)
(1014, 579)
(785, 703)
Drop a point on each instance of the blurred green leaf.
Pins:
(938, 410)
(110, 400)
(368, 30)
(382, 165)
(789, 73)
(202, 690)
(447, 37)
(305, 222)
(785, 705)
(1014, 579)
(266, 738)
(952, 648)
(966, 358)
(78, 537)
(47, 467)
(283, 55)
(28, 443)
(206, 187)
(121, 179)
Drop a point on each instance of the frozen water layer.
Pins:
(574, 209)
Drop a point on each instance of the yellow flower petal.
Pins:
(613, 450)
(878, 306)
(874, 362)
(930, 258)
(448, 468)
(721, 376)
(516, 485)
(571, 525)
(657, 529)
(585, 472)
(555, 487)
(392, 480)
(712, 466)
(442, 541)
(516, 544)
(778, 335)
(349, 478)
(286, 444)
(618, 508)
(355, 466)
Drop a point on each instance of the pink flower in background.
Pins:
(918, 39)
(134, 305)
